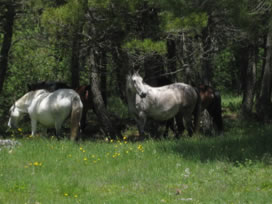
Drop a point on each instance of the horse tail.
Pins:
(76, 114)
(197, 112)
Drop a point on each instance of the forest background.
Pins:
(225, 44)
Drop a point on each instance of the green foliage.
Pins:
(146, 46)
(63, 19)
(117, 107)
(43, 31)
(192, 22)
(130, 6)
(231, 104)
(225, 71)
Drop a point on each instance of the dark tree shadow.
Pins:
(240, 144)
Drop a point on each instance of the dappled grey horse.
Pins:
(162, 103)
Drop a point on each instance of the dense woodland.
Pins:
(224, 43)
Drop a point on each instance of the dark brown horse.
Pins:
(84, 92)
(211, 101)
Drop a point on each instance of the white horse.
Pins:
(162, 103)
(50, 109)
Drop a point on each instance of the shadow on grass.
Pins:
(239, 144)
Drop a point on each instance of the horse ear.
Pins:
(137, 72)
(129, 73)
(13, 100)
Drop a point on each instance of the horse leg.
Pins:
(141, 124)
(167, 125)
(153, 128)
(180, 125)
(57, 127)
(188, 124)
(33, 126)
(141, 128)
(83, 118)
(44, 131)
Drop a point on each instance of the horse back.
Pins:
(56, 104)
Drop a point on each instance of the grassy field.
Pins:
(233, 168)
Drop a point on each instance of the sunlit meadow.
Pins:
(233, 168)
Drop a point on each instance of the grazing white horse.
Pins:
(162, 103)
(50, 109)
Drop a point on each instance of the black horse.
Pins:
(48, 85)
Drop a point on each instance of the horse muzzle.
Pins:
(143, 95)
(10, 124)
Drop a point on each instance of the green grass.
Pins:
(233, 168)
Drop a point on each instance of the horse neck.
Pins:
(149, 90)
(148, 87)
(24, 102)
(22, 107)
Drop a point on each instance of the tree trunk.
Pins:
(185, 57)
(103, 82)
(207, 48)
(75, 60)
(241, 62)
(8, 30)
(98, 103)
(171, 58)
(248, 95)
(120, 59)
(76, 40)
(263, 106)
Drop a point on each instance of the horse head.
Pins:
(138, 85)
(15, 116)
(206, 94)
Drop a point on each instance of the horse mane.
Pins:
(25, 99)
(128, 82)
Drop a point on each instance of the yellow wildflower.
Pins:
(37, 164)
(140, 147)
